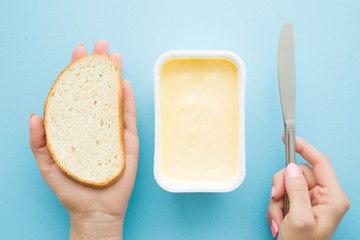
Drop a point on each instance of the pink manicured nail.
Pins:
(292, 170)
(274, 228)
(272, 192)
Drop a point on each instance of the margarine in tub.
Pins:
(199, 121)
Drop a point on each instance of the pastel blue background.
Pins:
(36, 42)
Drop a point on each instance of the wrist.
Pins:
(96, 225)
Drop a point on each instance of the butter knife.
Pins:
(286, 75)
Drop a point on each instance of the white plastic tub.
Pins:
(166, 178)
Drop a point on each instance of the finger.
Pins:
(323, 171)
(79, 51)
(297, 190)
(131, 157)
(275, 215)
(308, 173)
(101, 47)
(278, 187)
(129, 108)
(118, 58)
(131, 139)
(319, 195)
(38, 144)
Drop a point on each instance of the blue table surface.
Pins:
(37, 39)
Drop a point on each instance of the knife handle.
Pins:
(290, 158)
(290, 146)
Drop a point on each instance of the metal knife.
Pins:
(286, 75)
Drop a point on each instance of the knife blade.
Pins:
(286, 76)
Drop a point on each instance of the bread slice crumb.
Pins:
(83, 117)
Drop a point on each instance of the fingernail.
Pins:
(292, 170)
(82, 45)
(32, 115)
(272, 192)
(274, 228)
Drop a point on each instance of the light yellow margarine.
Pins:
(199, 119)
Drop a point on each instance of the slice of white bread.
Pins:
(83, 117)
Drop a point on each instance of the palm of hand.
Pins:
(76, 198)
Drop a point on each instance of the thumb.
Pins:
(297, 190)
(38, 144)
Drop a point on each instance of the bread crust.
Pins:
(114, 179)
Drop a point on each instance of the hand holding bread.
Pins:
(94, 212)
